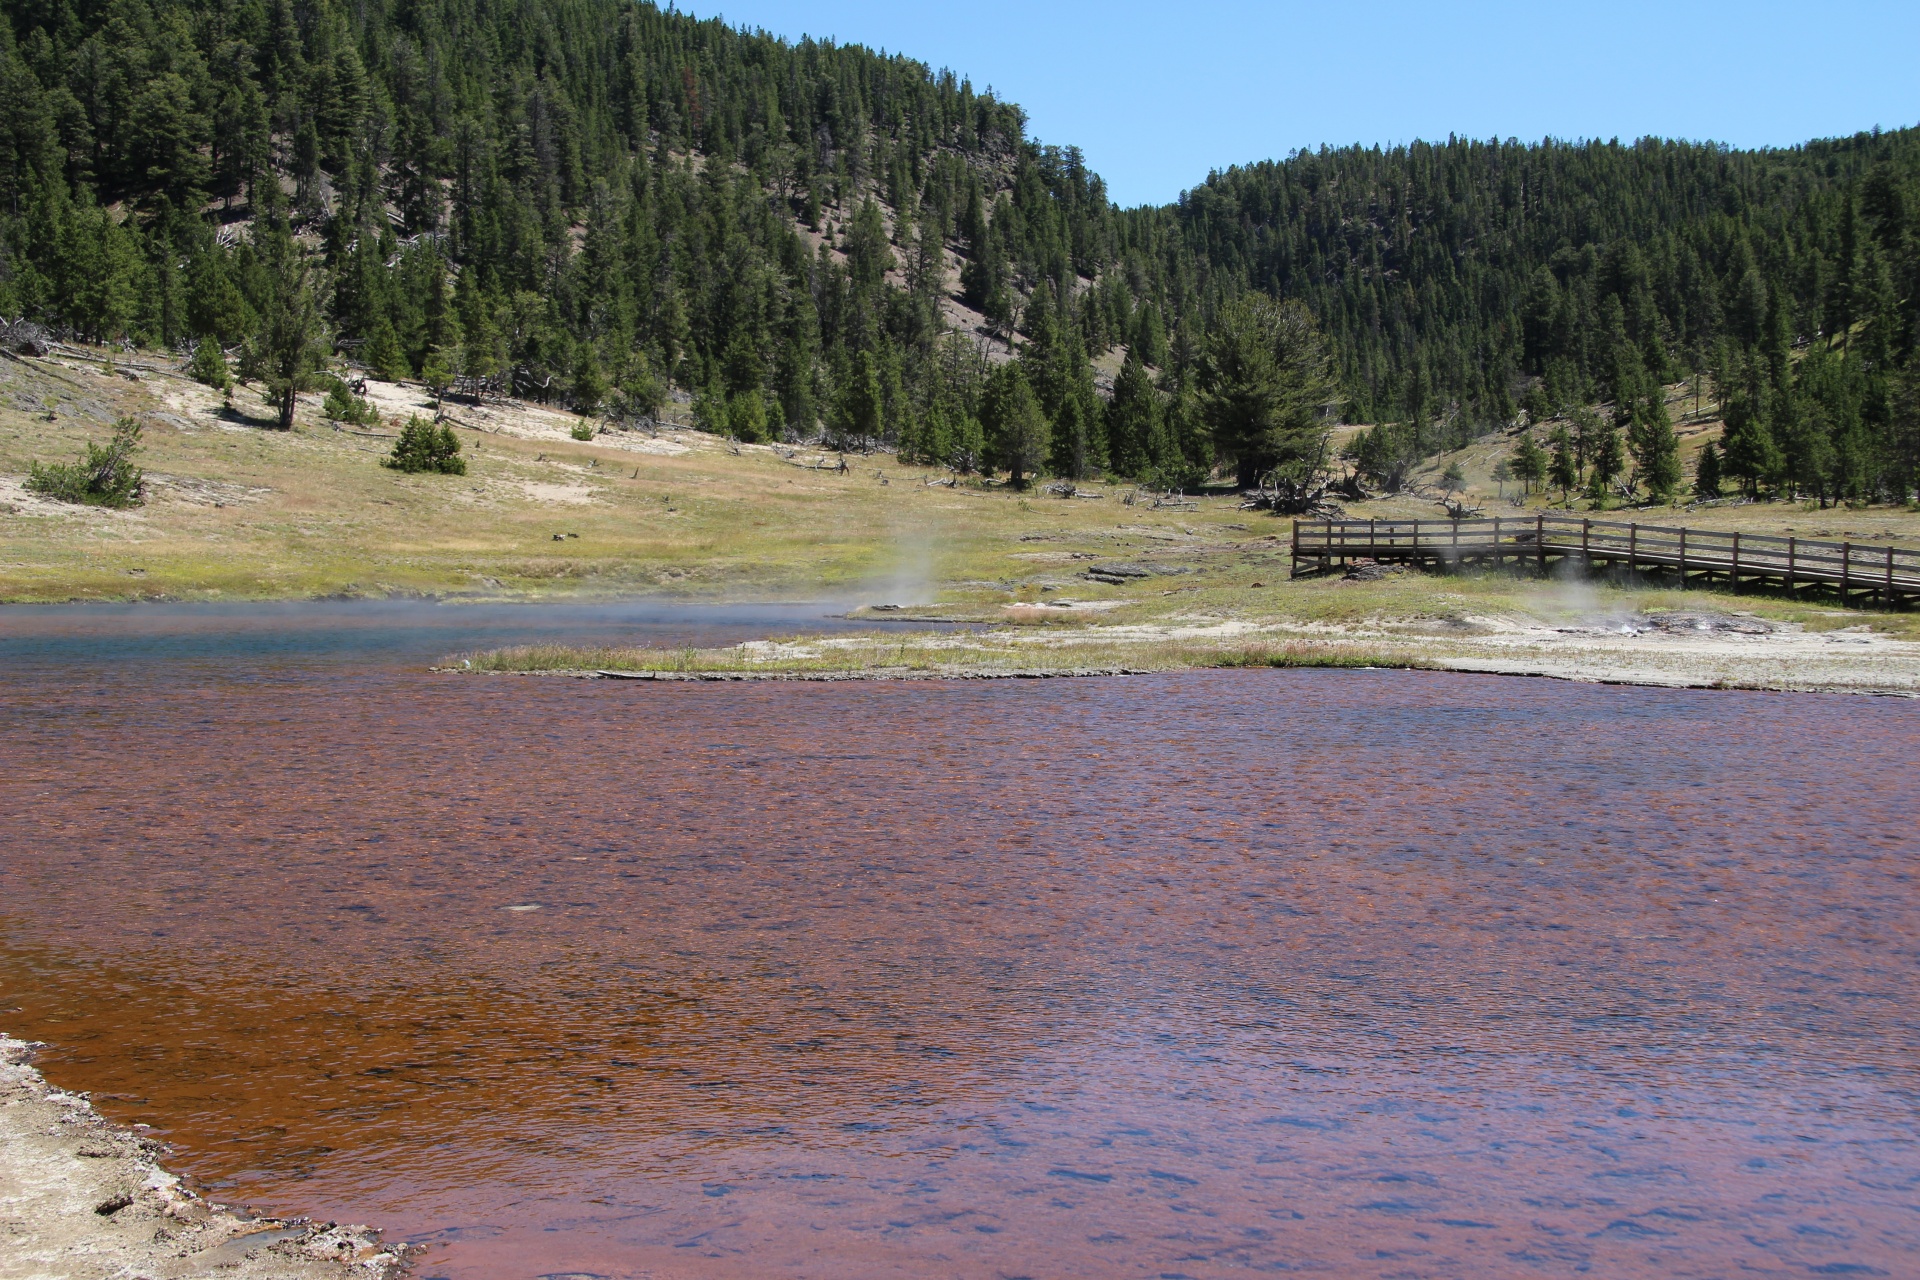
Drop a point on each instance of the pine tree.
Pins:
(383, 355)
(105, 477)
(862, 405)
(1017, 432)
(210, 365)
(437, 372)
(1655, 448)
(868, 256)
(1529, 462)
(747, 416)
(589, 383)
(1608, 461)
(1563, 470)
(1133, 417)
(290, 345)
(1706, 473)
(710, 409)
(1263, 377)
(1749, 452)
(424, 447)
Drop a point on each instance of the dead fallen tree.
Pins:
(25, 337)
(1290, 495)
(791, 457)
(1167, 500)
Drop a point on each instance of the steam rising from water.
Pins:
(912, 579)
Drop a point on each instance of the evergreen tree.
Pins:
(290, 345)
(1529, 462)
(209, 365)
(747, 416)
(424, 447)
(105, 477)
(710, 410)
(1133, 418)
(1562, 469)
(590, 383)
(1655, 448)
(1608, 461)
(1017, 432)
(383, 354)
(862, 405)
(1749, 453)
(1263, 377)
(1706, 473)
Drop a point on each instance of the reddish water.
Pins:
(1362, 974)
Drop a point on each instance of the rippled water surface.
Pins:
(1343, 973)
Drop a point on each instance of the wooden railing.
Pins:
(1886, 573)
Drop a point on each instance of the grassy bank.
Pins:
(237, 511)
(927, 655)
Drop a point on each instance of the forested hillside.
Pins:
(598, 202)
(1458, 279)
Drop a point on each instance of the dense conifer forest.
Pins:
(606, 204)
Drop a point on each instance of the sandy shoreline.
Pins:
(81, 1198)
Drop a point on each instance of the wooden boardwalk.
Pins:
(1862, 572)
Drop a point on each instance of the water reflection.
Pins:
(1366, 973)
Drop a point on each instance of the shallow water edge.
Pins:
(83, 1193)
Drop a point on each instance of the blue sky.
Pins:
(1159, 94)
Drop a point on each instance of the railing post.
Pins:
(1846, 566)
(1683, 557)
(1733, 574)
(1586, 552)
(1889, 577)
(1373, 538)
(1496, 542)
(1633, 548)
(1793, 562)
(1540, 540)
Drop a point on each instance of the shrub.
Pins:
(425, 447)
(210, 365)
(747, 416)
(343, 406)
(582, 431)
(105, 478)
